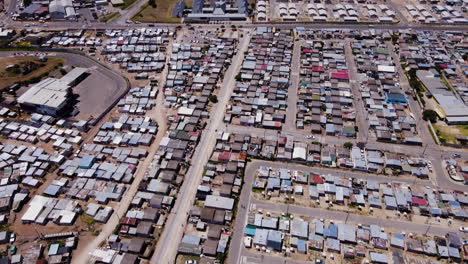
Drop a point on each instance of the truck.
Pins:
(248, 242)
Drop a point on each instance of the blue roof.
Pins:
(86, 161)
(274, 235)
(395, 97)
(435, 211)
(192, 240)
(273, 183)
(53, 249)
(301, 245)
(250, 230)
(331, 231)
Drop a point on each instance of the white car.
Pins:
(463, 229)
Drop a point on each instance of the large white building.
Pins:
(51, 96)
(62, 9)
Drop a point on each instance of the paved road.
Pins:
(432, 152)
(291, 110)
(361, 114)
(166, 249)
(127, 14)
(237, 252)
(414, 107)
(63, 25)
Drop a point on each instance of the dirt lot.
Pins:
(449, 133)
(162, 13)
(12, 76)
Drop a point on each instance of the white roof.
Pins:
(219, 202)
(386, 68)
(35, 208)
(185, 111)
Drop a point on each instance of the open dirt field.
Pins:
(9, 77)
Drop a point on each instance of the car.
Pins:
(465, 242)
(456, 156)
(13, 250)
(463, 229)
(12, 238)
(248, 242)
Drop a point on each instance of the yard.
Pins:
(16, 65)
(109, 17)
(449, 133)
(161, 14)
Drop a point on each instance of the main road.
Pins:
(168, 243)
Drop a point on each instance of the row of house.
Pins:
(212, 214)
(295, 234)
(261, 89)
(325, 100)
(367, 194)
(285, 148)
(386, 103)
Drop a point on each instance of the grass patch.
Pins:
(109, 17)
(9, 77)
(126, 4)
(255, 190)
(449, 133)
(162, 13)
(434, 137)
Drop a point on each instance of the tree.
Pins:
(323, 108)
(348, 145)
(213, 98)
(152, 3)
(430, 115)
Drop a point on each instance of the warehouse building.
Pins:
(219, 10)
(62, 9)
(51, 96)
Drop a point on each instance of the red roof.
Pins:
(224, 155)
(307, 50)
(242, 156)
(42, 9)
(340, 75)
(418, 201)
(318, 179)
(318, 68)
(128, 221)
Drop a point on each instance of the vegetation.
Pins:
(109, 17)
(158, 11)
(449, 133)
(25, 70)
(414, 82)
(348, 145)
(88, 220)
(395, 38)
(430, 115)
(213, 98)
